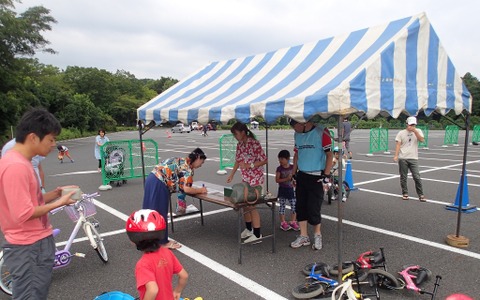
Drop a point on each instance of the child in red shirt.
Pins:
(155, 269)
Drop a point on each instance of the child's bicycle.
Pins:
(81, 213)
(413, 277)
(333, 191)
(317, 284)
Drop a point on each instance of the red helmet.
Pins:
(145, 224)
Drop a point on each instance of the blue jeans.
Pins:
(403, 166)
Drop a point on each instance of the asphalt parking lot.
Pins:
(375, 216)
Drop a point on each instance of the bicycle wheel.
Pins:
(6, 277)
(96, 241)
(347, 189)
(346, 268)
(311, 288)
(320, 268)
(330, 194)
(383, 279)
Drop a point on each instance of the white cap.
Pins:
(412, 121)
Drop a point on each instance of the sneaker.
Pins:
(284, 226)
(73, 161)
(246, 233)
(61, 161)
(294, 225)
(344, 198)
(317, 245)
(300, 241)
(253, 239)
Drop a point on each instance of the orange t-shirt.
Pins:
(19, 195)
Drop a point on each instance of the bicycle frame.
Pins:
(410, 283)
(63, 256)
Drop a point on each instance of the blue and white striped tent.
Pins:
(399, 67)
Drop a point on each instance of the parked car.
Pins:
(180, 128)
(194, 126)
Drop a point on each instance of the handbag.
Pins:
(243, 192)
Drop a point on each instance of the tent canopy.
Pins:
(399, 67)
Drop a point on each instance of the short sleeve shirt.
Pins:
(19, 195)
(176, 173)
(250, 152)
(159, 267)
(408, 144)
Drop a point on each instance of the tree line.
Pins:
(83, 99)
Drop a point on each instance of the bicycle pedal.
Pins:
(82, 255)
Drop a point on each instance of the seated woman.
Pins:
(173, 175)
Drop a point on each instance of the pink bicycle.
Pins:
(413, 276)
(82, 214)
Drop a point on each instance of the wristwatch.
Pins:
(252, 165)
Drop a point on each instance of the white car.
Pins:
(194, 126)
(180, 128)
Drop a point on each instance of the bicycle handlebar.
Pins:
(76, 204)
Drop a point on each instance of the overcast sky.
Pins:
(155, 38)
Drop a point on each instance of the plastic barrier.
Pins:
(476, 134)
(121, 160)
(378, 141)
(228, 147)
(451, 136)
(424, 129)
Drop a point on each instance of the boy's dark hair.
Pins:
(148, 246)
(39, 121)
(284, 154)
(59, 147)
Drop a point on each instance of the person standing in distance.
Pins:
(406, 154)
(99, 141)
(313, 160)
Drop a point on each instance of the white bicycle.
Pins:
(82, 214)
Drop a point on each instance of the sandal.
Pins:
(405, 197)
(173, 245)
(422, 198)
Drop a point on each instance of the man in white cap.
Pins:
(406, 154)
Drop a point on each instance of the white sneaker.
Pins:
(253, 239)
(246, 233)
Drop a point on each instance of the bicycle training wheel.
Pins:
(5, 277)
(383, 279)
(346, 268)
(320, 268)
(311, 288)
(96, 241)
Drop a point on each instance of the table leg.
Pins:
(273, 227)
(239, 234)
(171, 211)
(201, 210)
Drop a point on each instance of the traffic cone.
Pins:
(466, 208)
(349, 176)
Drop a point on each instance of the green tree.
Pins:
(473, 85)
(20, 36)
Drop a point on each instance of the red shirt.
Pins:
(157, 266)
(19, 195)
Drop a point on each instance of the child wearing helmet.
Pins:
(155, 269)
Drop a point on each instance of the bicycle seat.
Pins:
(377, 257)
(422, 276)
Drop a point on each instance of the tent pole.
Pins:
(266, 153)
(340, 197)
(462, 178)
(140, 134)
